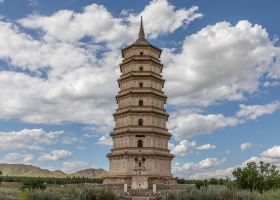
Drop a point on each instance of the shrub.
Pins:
(257, 177)
(32, 184)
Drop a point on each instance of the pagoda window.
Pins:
(140, 143)
(141, 69)
(140, 85)
(140, 102)
(140, 122)
(141, 53)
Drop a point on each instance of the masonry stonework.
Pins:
(140, 156)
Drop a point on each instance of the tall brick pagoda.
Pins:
(140, 157)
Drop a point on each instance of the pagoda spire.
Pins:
(141, 35)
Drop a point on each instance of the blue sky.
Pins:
(59, 66)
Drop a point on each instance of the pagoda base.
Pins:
(140, 182)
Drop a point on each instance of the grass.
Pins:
(78, 192)
(222, 193)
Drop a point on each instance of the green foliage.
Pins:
(76, 194)
(201, 184)
(257, 177)
(181, 180)
(222, 193)
(53, 180)
(32, 184)
(212, 181)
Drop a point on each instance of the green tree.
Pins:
(33, 183)
(260, 177)
(213, 181)
(201, 184)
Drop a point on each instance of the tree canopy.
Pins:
(260, 177)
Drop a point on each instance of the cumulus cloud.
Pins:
(73, 166)
(72, 88)
(206, 147)
(273, 152)
(55, 155)
(254, 111)
(73, 98)
(162, 18)
(220, 62)
(66, 25)
(246, 146)
(31, 139)
(187, 169)
(220, 173)
(210, 162)
(185, 147)
(105, 140)
(17, 158)
(187, 126)
(193, 171)
(271, 155)
(75, 88)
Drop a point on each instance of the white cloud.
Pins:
(271, 84)
(105, 140)
(68, 88)
(72, 98)
(160, 17)
(31, 139)
(35, 54)
(209, 163)
(187, 126)
(66, 25)
(190, 168)
(254, 111)
(273, 152)
(69, 140)
(73, 166)
(220, 62)
(55, 155)
(246, 146)
(220, 173)
(274, 72)
(206, 147)
(271, 155)
(184, 147)
(17, 158)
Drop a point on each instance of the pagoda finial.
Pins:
(141, 36)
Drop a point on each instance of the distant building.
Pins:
(140, 157)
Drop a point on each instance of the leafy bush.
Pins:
(53, 180)
(32, 184)
(222, 193)
(75, 194)
(201, 184)
(257, 177)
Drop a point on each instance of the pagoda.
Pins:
(140, 157)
